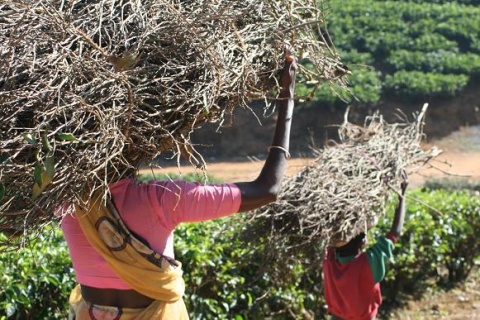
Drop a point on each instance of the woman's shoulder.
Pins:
(121, 183)
(131, 184)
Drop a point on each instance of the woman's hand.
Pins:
(265, 188)
(287, 79)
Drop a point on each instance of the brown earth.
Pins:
(453, 164)
(249, 132)
(459, 303)
(460, 159)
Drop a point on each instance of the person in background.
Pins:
(122, 249)
(352, 275)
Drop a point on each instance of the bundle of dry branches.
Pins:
(347, 187)
(91, 88)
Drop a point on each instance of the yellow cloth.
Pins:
(146, 271)
(82, 310)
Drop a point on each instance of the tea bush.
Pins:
(439, 241)
(36, 280)
(418, 48)
(412, 85)
(229, 277)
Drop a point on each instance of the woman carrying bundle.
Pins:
(122, 250)
(352, 276)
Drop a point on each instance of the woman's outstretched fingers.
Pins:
(290, 58)
(290, 62)
(287, 80)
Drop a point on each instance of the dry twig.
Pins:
(346, 188)
(91, 88)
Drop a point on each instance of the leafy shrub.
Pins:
(228, 276)
(354, 57)
(212, 263)
(450, 184)
(475, 47)
(437, 62)
(439, 234)
(175, 176)
(463, 31)
(416, 85)
(36, 280)
(394, 37)
(431, 41)
(467, 2)
(364, 88)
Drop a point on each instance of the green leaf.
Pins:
(50, 166)
(10, 310)
(37, 174)
(67, 137)
(29, 138)
(43, 176)
(36, 191)
(46, 144)
(2, 191)
(38, 188)
(3, 157)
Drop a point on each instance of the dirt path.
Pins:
(449, 165)
(456, 161)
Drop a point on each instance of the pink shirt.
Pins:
(151, 210)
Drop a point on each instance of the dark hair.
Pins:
(352, 246)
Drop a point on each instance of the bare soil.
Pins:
(459, 303)
(460, 159)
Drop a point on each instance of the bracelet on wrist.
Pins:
(287, 154)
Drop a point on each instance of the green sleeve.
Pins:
(378, 255)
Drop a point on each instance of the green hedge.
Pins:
(415, 85)
(445, 62)
(36, 280)
(467, 2)
(230, 277)
(438, 38)
(364, 88)
(440, 242)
